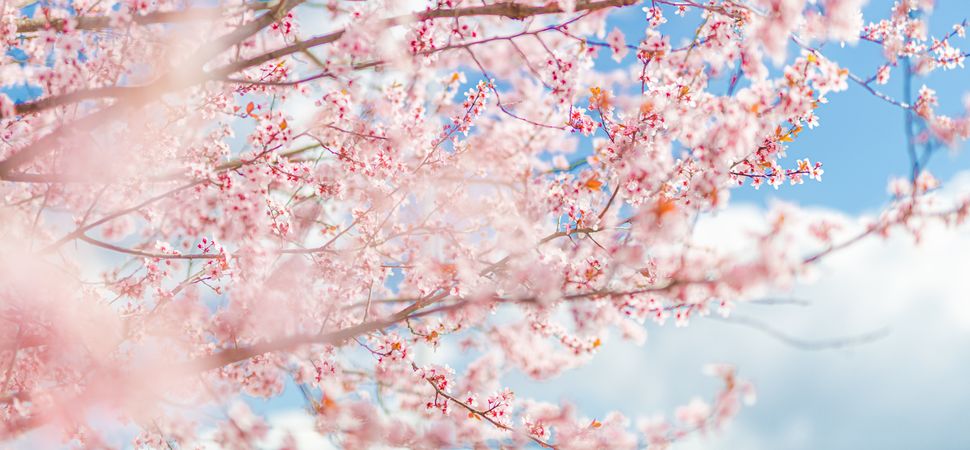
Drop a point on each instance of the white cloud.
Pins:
(906, 390)
(298, 424)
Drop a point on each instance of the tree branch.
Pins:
(156, 17)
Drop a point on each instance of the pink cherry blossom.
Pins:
(391, 209)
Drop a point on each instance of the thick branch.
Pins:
(103, 22)
(145, 254)
(505, 9)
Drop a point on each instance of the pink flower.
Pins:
(882, 75)
(617, 42)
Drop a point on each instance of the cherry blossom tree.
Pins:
(205, 202)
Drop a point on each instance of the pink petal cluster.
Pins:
(389, 212)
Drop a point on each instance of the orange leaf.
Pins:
(599, 99)
(664, 207)
(325, 404)
(448, 269)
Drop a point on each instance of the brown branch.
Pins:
(145, 254)
(814, 258)
(520, 11)
(587, 231)
(168, 371)
(805, 344)
(66, 177)
(74, 97)
(482, 414)
(77, 233)
(511, 10)
(413, 311)
(104, 22)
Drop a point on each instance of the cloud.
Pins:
(906, 390)
(300, 426)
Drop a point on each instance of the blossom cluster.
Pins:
(391, 211)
